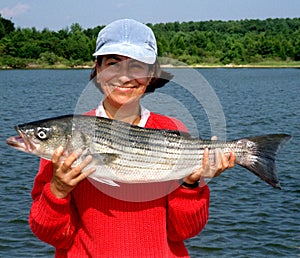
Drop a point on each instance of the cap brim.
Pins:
(141, 53)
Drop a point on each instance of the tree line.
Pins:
(203, 42)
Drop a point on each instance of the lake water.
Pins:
(248, 218)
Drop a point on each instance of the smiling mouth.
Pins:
(126, 87)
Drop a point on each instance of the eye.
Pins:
(139, 69)
(112, 63)
(42, 133)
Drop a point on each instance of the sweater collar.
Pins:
(145, 114)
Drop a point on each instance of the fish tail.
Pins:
(260, 160)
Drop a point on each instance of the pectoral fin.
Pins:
(100, 160)
(104, 158)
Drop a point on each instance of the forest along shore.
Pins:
(244, 43)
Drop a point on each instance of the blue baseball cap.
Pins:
(129, 38)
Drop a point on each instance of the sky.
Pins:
(60, 14)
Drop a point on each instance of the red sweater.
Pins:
(94, 223)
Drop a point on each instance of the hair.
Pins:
(158, 80)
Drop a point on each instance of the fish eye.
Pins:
(42, 133)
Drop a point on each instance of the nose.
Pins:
(124, 73)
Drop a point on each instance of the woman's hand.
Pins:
(65, 177)
(208, 170)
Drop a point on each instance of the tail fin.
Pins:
(263, 151)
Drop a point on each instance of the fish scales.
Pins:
(155, 147)
(149, 145)
(148, 150)
(123, 140)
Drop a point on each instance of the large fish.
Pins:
(131, 154)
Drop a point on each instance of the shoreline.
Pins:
(232, 66)
(274, 65)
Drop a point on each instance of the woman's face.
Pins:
(123, 80)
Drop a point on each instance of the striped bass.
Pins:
(131, 154)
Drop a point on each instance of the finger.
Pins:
(86, 162)
(219, 159)
(87, 172)
(202, 171)
(217, 167)
(57, 154)
(191, 179)
(232, 159)
(206, 162)
(70, 160)
(78, 170)
(83, 175)
(225, 161)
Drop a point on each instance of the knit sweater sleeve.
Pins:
(187, 208)
(51, 219)
(187, 212)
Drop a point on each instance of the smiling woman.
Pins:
(81, 218)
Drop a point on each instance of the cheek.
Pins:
(104, 81)
(103, 78)
(143, 81)
(141, 90)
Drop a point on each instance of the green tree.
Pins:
(6, 27)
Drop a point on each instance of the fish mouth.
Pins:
(21, 142)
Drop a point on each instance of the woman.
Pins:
(81, 218)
